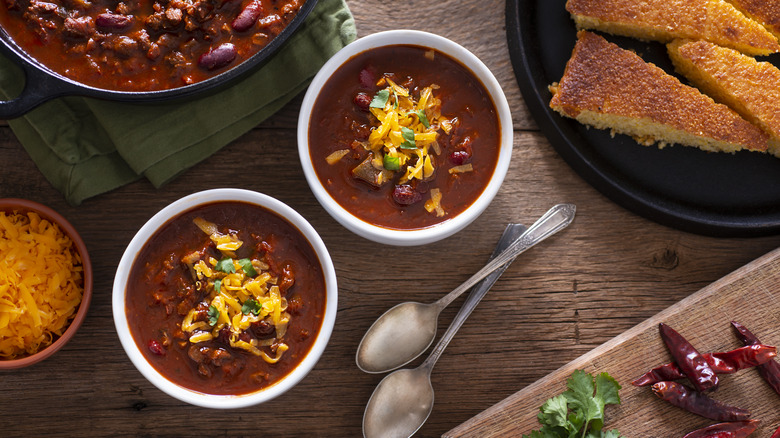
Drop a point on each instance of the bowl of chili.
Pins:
(46, 278)
(225, 298)
(139, 51)
(405, 137)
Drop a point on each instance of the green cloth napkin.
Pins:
(86, 147)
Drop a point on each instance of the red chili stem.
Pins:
(690, 361)
(698, 403)
(727, 362)
(736, 429)
(770, 370)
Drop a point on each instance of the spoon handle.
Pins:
(511, 233)
(556, 219)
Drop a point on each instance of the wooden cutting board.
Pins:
(749, 295)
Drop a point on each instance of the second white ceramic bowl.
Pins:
(185, 204)
(438, 231)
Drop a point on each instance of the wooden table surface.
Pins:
(607, 272)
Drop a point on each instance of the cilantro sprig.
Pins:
(408, 136)
(225, 265)
(423, 118)
(246, 266)
(251, 305)
(213, 315)
(391, 163)
(380, 99)
(579, 411)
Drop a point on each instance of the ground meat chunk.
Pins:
(173, 16)
(81, 27)
(155, 21)
(43, 7)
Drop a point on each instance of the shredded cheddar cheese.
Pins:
(41, 283)
(237, 298)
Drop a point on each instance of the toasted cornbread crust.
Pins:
(749, 87)
(608, 87)
(666, 20)
(766, 12)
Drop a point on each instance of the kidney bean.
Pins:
(460, 157)
(115, 22)
(219, 57)
(263, 329)
(156, 348)
(406, 195)
(362, 100)
(248, 16)
(367, 78)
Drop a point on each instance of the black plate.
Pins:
(681, 187)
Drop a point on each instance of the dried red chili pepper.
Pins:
(776, 434)
(690, 361)
(698, 403)
(727, 362)
(770, 370)
(736, 429)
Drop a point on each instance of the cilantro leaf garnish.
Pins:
(408, 136)
(579, 411)
(213, 315)
(380, 99)
(251, 305)
(391, 163)
(225, 265)
(218, 285)
(423, 118)
(246, 265)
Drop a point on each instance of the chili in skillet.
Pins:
(144, 45)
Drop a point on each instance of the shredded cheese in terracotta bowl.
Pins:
(45, 282)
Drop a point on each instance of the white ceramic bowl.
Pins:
(438, 231)
(210, 400)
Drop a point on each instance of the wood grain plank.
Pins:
(607, 272)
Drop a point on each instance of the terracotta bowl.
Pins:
(23, 205)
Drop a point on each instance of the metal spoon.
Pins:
(403, 400)
(405, 331)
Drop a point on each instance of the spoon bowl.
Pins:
(392, 328)
(412, 394)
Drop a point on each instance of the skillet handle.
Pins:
(39, 87)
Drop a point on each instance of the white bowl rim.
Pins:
(185, 204)
(438, 231)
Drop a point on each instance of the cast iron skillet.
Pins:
(42, 84)
(682, 187)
